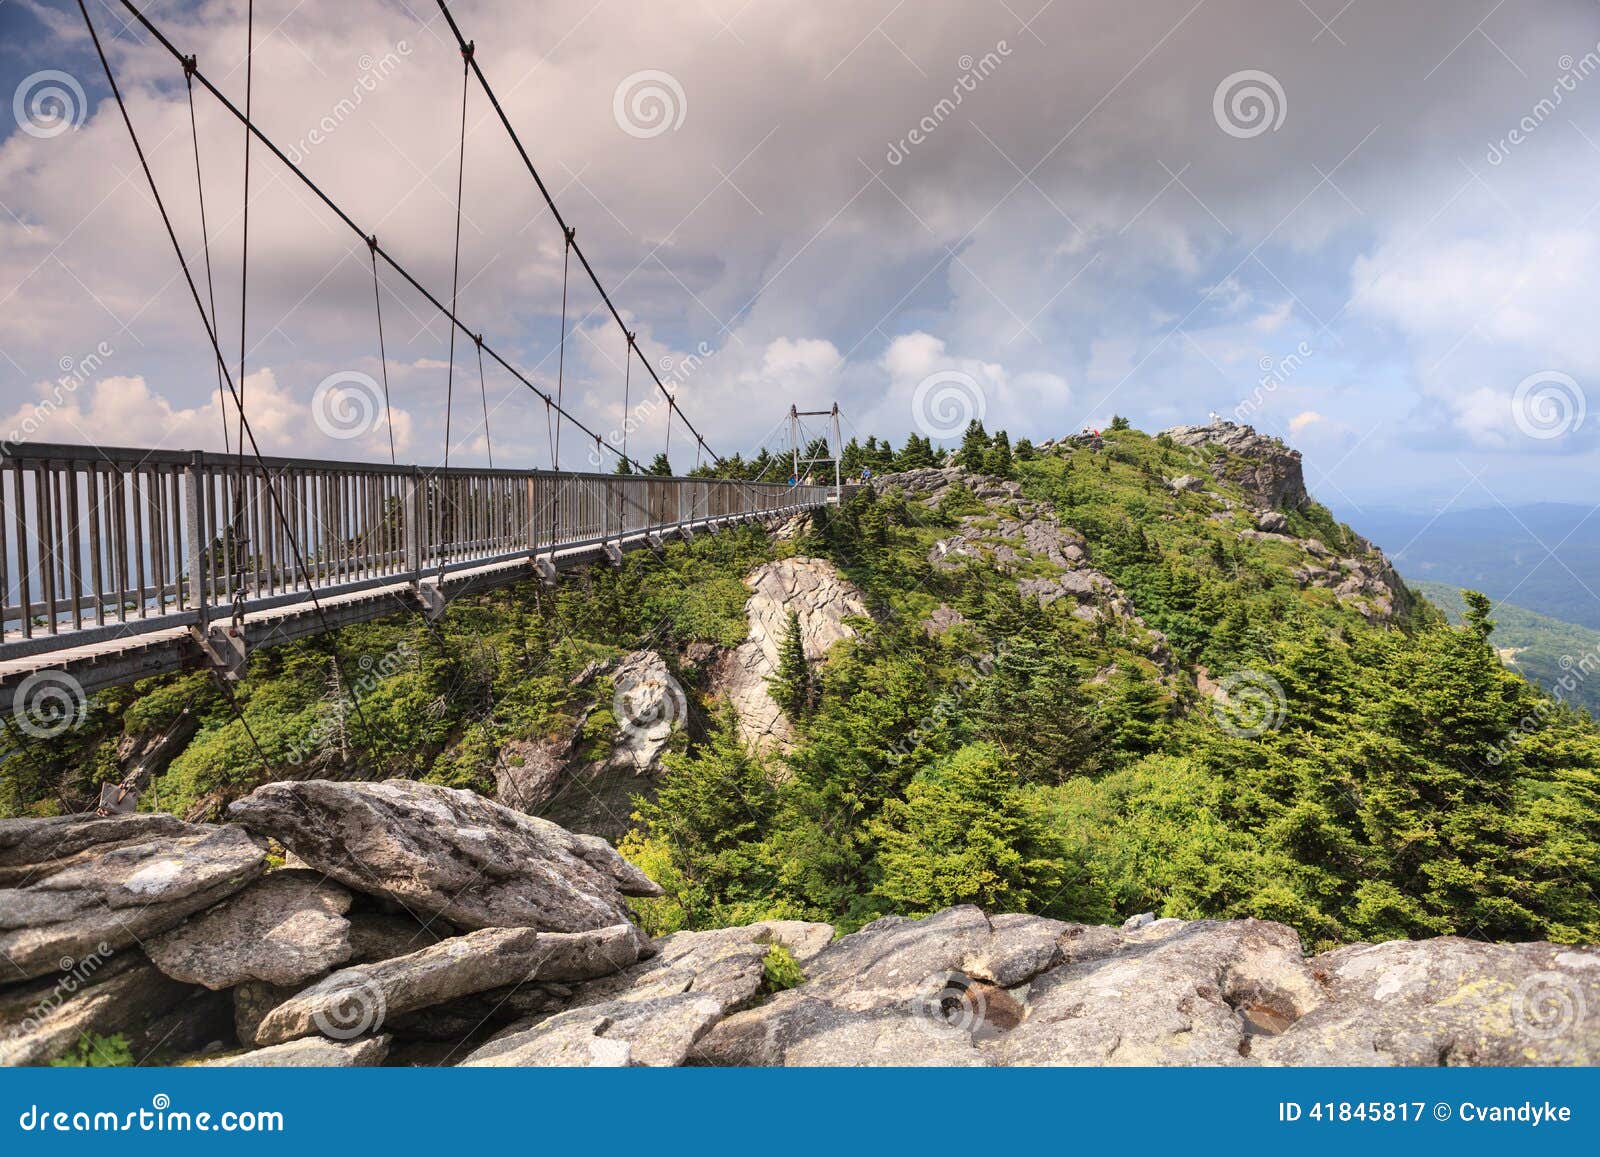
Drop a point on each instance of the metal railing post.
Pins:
(195, 548)
(415, 512)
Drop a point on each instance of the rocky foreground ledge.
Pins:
(414, 924)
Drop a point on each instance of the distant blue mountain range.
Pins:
(1544, 556)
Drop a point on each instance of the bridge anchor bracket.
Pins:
(433, 600)
(225, 650)
(613, 553)
(686, 532)
(545, 569)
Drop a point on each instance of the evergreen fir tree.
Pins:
(791, 683)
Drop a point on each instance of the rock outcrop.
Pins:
(1264, 467)
(560, 779)
(814, 590)
(957, 988)
(73, 883)
(448, 853)
(374, 983)
(281, 930)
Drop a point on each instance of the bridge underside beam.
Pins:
(103, 663)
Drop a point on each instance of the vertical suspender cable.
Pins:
(627, 375)
(240, 542)
(561, 356)
(483, 393)
(205, 241)
(455, 276)
(383, 355)
(216, 346)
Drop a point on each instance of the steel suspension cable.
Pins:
(211, 334)
(383, 355)
(205, 240)
(244, 250)
(431, 298)
(561, 356)
(550, 201)
(455, 273)
(483, 394)
(627, 374)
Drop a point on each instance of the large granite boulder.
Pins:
(283, 929)
(120, 994)
(309, 1053)
(1448, 1002)
(449, 853)
(358, 1001)
(72, 884)
(654, 1012)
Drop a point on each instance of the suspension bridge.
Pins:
(121, 563)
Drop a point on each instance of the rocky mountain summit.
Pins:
(339, 924)
(1263, 466)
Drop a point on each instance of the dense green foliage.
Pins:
(1057, 758)
(94, 1051)
(1561, 657)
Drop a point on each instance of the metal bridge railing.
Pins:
(104, 542)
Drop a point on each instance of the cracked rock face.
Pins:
(822, 598)
(280, 930)
(962, 989)
(1268, 470)
(655, 1012)
(73, 883)
(449, 853)
(359, 1001)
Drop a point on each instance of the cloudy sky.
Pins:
(1371, 228)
